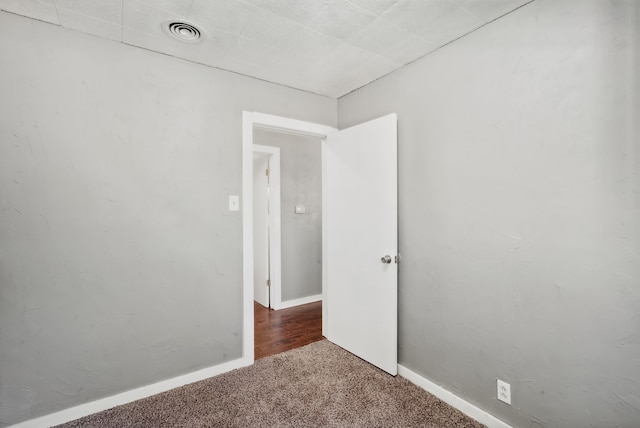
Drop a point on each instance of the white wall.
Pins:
(519, 205)
(120, 264)
(300, 183)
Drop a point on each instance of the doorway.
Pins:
(359, 253)
(299, 182)
(287, 237)
(251, 121)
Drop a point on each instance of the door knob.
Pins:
(386, 259)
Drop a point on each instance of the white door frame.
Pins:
(275, 243)
(251, 121)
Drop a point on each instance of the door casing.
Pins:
(251, 121)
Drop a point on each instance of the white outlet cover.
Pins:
(504, 391)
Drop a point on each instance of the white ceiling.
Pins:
(328, 47)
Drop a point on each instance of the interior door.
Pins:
(361, 209)
(260, 228)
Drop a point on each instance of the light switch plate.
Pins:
(300, 209)
(234, 203)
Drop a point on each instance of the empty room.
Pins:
(470, 230)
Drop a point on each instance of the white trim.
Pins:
(301, 301)
(251, 120)
(247, 237)
(92, 407)
(106, 403)
(291, 126)
(325, 242)
(275, 243)
(450, 398)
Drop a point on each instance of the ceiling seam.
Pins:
(55, 7)
(364, 8)
(381, 17)
(440, 47)
(190, 8)
(230, 71)
(301, 24)
(29, 17)
(393, 24)
(122, 20)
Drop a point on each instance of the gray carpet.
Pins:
(319, 385)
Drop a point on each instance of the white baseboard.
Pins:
(300, 301)
(129, 396)
(453, 400)
(86, 409)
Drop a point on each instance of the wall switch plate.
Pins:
(504, 391)
(300, 209)
(234, 203)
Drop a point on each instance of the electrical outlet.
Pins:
(504, 391)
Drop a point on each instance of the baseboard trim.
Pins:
(300, 301)
(450, 398)
(86, 409)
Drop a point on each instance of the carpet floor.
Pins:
(318, 385)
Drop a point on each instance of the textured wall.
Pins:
(519, 181)
(120, 264)
(301, 182)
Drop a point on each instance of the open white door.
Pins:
(261, 228)
(361, 217)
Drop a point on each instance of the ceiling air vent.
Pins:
(182, 31)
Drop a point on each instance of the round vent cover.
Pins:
(182, 31)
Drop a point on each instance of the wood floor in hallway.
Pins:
(279, 331)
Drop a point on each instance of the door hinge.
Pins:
(267, 172)
(268, 283)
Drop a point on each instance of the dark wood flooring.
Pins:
(279, 331)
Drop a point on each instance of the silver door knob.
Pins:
(386, 259)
